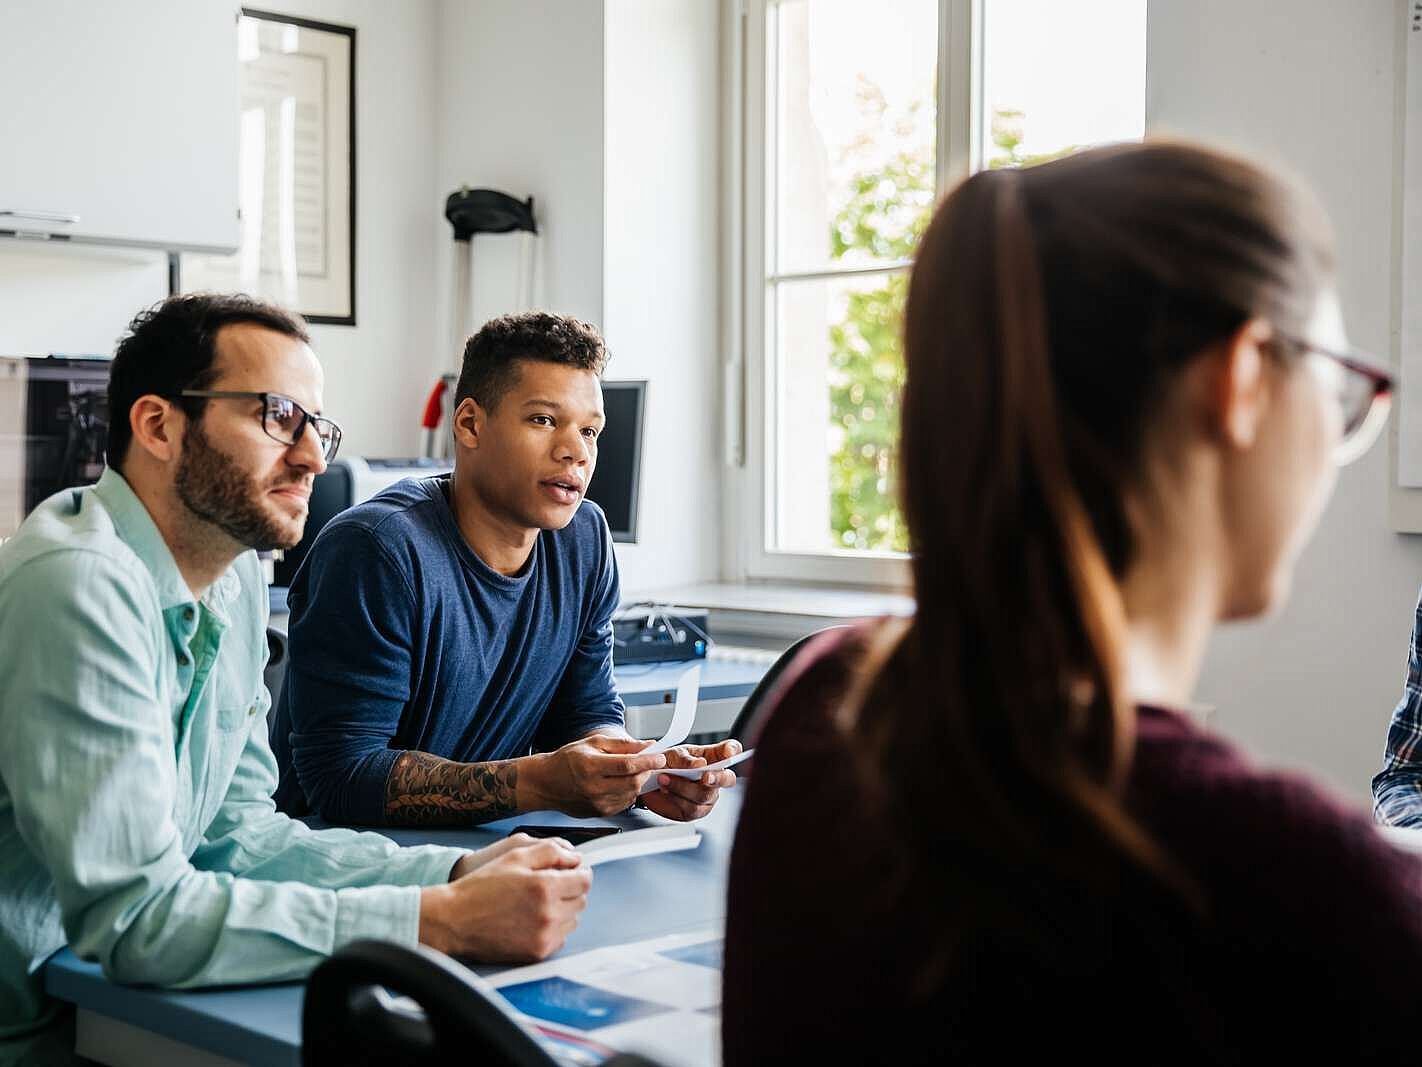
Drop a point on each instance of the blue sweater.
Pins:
(401, 638)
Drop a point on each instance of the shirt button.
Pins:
(252, 710)
(188, 614)
(182, 659)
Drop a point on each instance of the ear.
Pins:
(1241, 386)
(157, 426)
(469, 422)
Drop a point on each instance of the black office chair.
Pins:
(275, 674)
(748, 719)
(349, 1019)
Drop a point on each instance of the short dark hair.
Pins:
(171, 346)
(491, 355)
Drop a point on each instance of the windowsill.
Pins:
(774, 614)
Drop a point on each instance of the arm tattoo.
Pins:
(424, 790)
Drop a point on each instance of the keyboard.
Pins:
(760, 657)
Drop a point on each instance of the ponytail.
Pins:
(1046, 311)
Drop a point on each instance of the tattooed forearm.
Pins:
(424, 790)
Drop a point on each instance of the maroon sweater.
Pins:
(1309, 947)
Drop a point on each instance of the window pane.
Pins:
(840, 373)
(853, 109)
(853, 122)
(1060, 76)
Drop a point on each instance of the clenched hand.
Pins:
(517, 907)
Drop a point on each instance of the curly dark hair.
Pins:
(491, 356)
(171, 346)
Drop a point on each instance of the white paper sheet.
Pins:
(688, 689)
(697, 772)
(681, 1037)
(634, 843)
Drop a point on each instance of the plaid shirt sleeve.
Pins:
(1397, 788)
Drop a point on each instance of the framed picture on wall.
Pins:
(296, 164)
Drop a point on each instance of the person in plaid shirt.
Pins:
(1397, 788)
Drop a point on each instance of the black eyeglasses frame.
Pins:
(1358, 438)
(330, 441)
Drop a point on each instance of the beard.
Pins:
(213, 487)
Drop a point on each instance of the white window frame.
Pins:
(748, 372)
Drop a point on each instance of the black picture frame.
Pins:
(326, 301)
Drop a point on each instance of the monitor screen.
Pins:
(615, 482)
(60, 407)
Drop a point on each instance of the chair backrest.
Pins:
(275, 674)
(747, 724)
(350, 1019)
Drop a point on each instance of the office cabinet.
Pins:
(119, 121)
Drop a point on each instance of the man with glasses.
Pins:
(451, 639)
(136, 813)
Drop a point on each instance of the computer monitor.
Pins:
(616, 482)
(55, 414)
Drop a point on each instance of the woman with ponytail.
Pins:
(995, 830)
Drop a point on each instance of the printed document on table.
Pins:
(660, 997)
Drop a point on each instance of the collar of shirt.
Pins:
(136, 528)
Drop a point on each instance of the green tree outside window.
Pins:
(885, 215)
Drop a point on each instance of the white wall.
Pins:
(520, 109)
(606, 113)
(73, 299)
(379, 372)
(661, 272)
(1310, 85)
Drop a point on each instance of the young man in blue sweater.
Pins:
(451, 639)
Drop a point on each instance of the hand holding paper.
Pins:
(689, 786)
(596, 775)
(677, 791)
(696, 773)
(603, 773)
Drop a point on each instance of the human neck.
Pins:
(1164, 648)
(201, 551)
(1171, 599)
(502, 545)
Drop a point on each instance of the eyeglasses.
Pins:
(283, 419)
(1364, 386)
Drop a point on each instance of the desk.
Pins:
(649, 692)
(630, 899)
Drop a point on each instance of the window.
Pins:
(1057, 77)
(857, 114)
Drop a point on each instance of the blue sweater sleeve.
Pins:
(348, 682)
(587, 694)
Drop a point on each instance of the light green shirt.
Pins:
(136, 819)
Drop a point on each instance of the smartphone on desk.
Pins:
(574, 835)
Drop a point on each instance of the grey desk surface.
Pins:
(629, 900)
